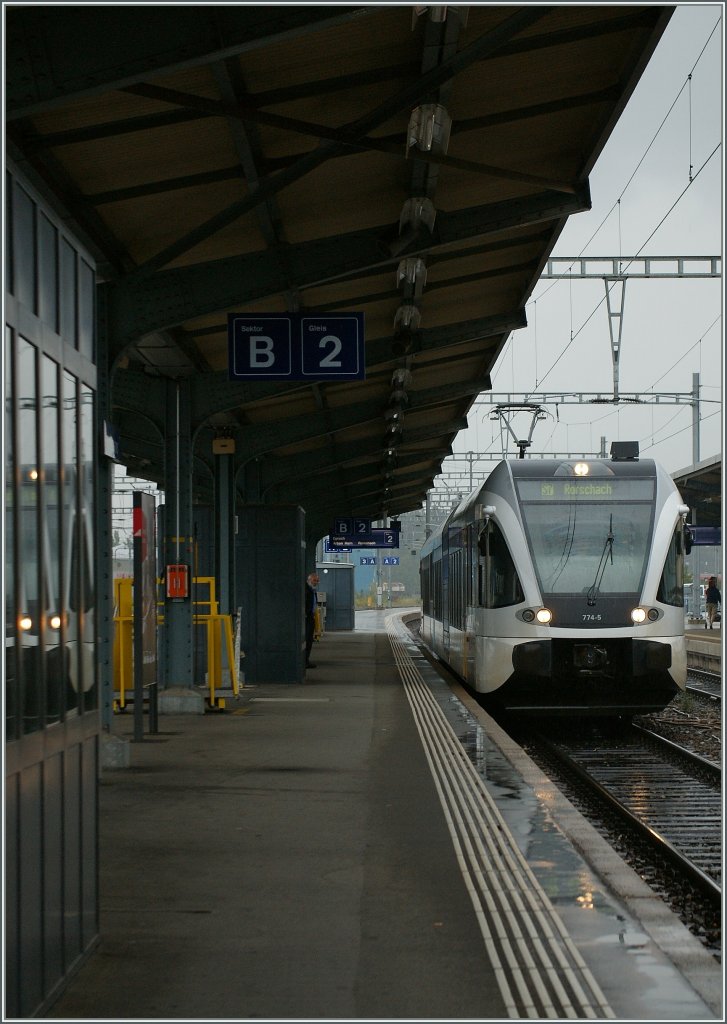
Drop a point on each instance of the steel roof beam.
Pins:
(347, 475)
(404, 99)
(387, 143)
(260, 438)
(171, 297)
(136, 43)
(360, 492)
(325, 508)
(283, 468)
(343, 138)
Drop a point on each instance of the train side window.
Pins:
(671, 584)
(499, 583)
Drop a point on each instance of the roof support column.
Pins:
(224, 512)
(179, 695)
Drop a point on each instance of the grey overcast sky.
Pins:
(643, 204)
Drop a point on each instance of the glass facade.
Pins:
(50, 506)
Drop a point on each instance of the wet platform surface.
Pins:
(289, 859)
(704, 647)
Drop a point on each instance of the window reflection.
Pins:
(87, 532)
(68, 294)
(71, 529)
(11, 694)
(30, 600)
(51, 537)
(671, 585)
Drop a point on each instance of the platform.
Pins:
(299, 855)
(704, 647)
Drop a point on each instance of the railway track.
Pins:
(705, 684)
(659, 805)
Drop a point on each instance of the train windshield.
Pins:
(587, 546)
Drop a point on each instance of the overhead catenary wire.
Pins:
(635, 171)
(617, 204)
(687, 84)
(639, 250)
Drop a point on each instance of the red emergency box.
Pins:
(177, 581)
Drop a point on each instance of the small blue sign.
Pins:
(367, 560)
(391, 560)
(296, 346)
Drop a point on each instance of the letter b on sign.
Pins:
(261, 351)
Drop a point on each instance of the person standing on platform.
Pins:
(712, 598)
(311, 600)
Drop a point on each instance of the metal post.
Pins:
(178, 543)
(695, 419)
(618, 284)
(379, 585)
(224, 538)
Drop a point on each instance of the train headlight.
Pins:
(25, 622)
(528, 615)
(54, 622)
(543, 615)
(581, 469)
(638, 615)
(653, 614)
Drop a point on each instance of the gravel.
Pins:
(692, 722)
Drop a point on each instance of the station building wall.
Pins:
(52, 721)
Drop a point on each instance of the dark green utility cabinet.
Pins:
(270, 578)
(336, 581)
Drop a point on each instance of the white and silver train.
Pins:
(557, 587)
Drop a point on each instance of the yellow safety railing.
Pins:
(123, 653)
(219, 632)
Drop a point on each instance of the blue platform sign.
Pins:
(296, 346)
(377, 538)
(706, 535)
(367, 559)
(338, 550)
(391, 560)
(353, 527)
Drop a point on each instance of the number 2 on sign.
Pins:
(330, 359)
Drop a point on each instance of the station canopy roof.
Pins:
(700, 486)
(414, 164)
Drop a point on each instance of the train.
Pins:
(557, 587)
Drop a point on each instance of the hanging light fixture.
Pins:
(429, 128)
(411, 275)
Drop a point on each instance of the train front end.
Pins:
(601, 559)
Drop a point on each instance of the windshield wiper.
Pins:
(607, 551)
